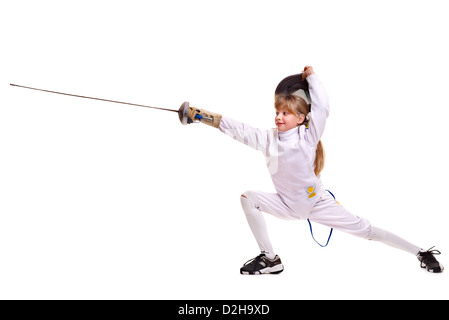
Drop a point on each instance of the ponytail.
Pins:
(319, 158)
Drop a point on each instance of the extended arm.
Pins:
(255, 138)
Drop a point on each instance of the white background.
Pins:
(107, 201)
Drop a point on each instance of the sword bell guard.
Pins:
(182, 112)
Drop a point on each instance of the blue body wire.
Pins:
(330, 234)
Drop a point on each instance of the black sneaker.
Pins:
(262, 265)
(429, 262)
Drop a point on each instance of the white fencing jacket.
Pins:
(290, 155)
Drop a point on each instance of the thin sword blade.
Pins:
(85, 97)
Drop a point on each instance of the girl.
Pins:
(295, 157)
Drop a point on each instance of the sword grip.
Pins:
(207, 117)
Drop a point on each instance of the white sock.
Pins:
(258, 226)
(269, 255)
(393, 240)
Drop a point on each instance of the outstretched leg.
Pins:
(330, 213)
(384, 236)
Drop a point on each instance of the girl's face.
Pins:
(285, 120)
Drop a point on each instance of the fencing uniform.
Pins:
(290, 157)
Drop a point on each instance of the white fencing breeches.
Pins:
(327, 211)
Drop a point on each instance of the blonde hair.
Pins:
(297, 105)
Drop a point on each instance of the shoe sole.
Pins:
(434, 270)
(270, 270)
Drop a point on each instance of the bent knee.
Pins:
(250, 198)
(249, 195)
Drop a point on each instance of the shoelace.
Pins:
(254, 260)
(428, 256)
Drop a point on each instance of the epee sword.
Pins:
(182, 111)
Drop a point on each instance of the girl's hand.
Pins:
(308, 70)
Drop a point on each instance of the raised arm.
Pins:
(320, 105)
